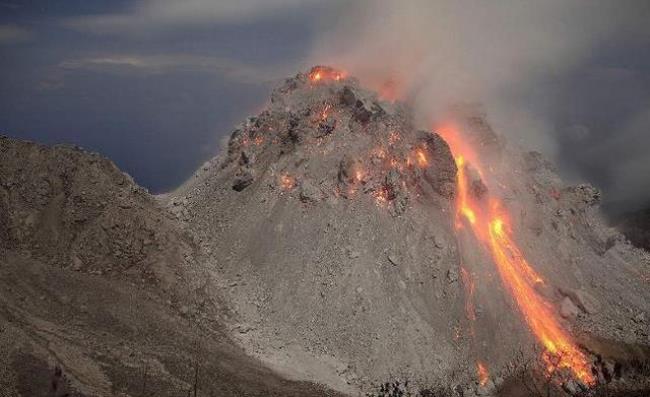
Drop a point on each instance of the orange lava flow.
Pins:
(324, 73)
(483, 374)
(463, 206)
(489, 223)
(468, 283)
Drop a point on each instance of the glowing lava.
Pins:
(325, 73)
(393, 137)
(468, 283)
(383, 195)
(359, 174)
(326, 111)
(490, 225)
(287, 182)
(462, 203)
(483, 374)
(421, 158)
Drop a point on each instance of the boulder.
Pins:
(308, 192)
(568, 309)
(440, 171)
(582, 299)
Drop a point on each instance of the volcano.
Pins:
(334, 244)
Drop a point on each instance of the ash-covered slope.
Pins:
(590, 281)
(330, 222)
(98, 279)
(78, 211)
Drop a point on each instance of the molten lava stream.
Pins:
(483, 374)
(490, 226)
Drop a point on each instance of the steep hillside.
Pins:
(98, 279)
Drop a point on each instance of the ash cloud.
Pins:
(546, 73)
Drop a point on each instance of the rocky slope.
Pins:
(337, 263)
(329, 222)
(97, 278)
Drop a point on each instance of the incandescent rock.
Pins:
(373, 182)
(440, 168)
(477, 187)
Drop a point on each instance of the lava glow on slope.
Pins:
(490, 224)
(483, 374)
(324, 73)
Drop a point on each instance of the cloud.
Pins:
(232, 70)
(467, 50)
(12, 34)
(149, 16)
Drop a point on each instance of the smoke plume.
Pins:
(518, 59)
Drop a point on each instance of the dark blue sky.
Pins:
(155, 85)
(155, 103)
